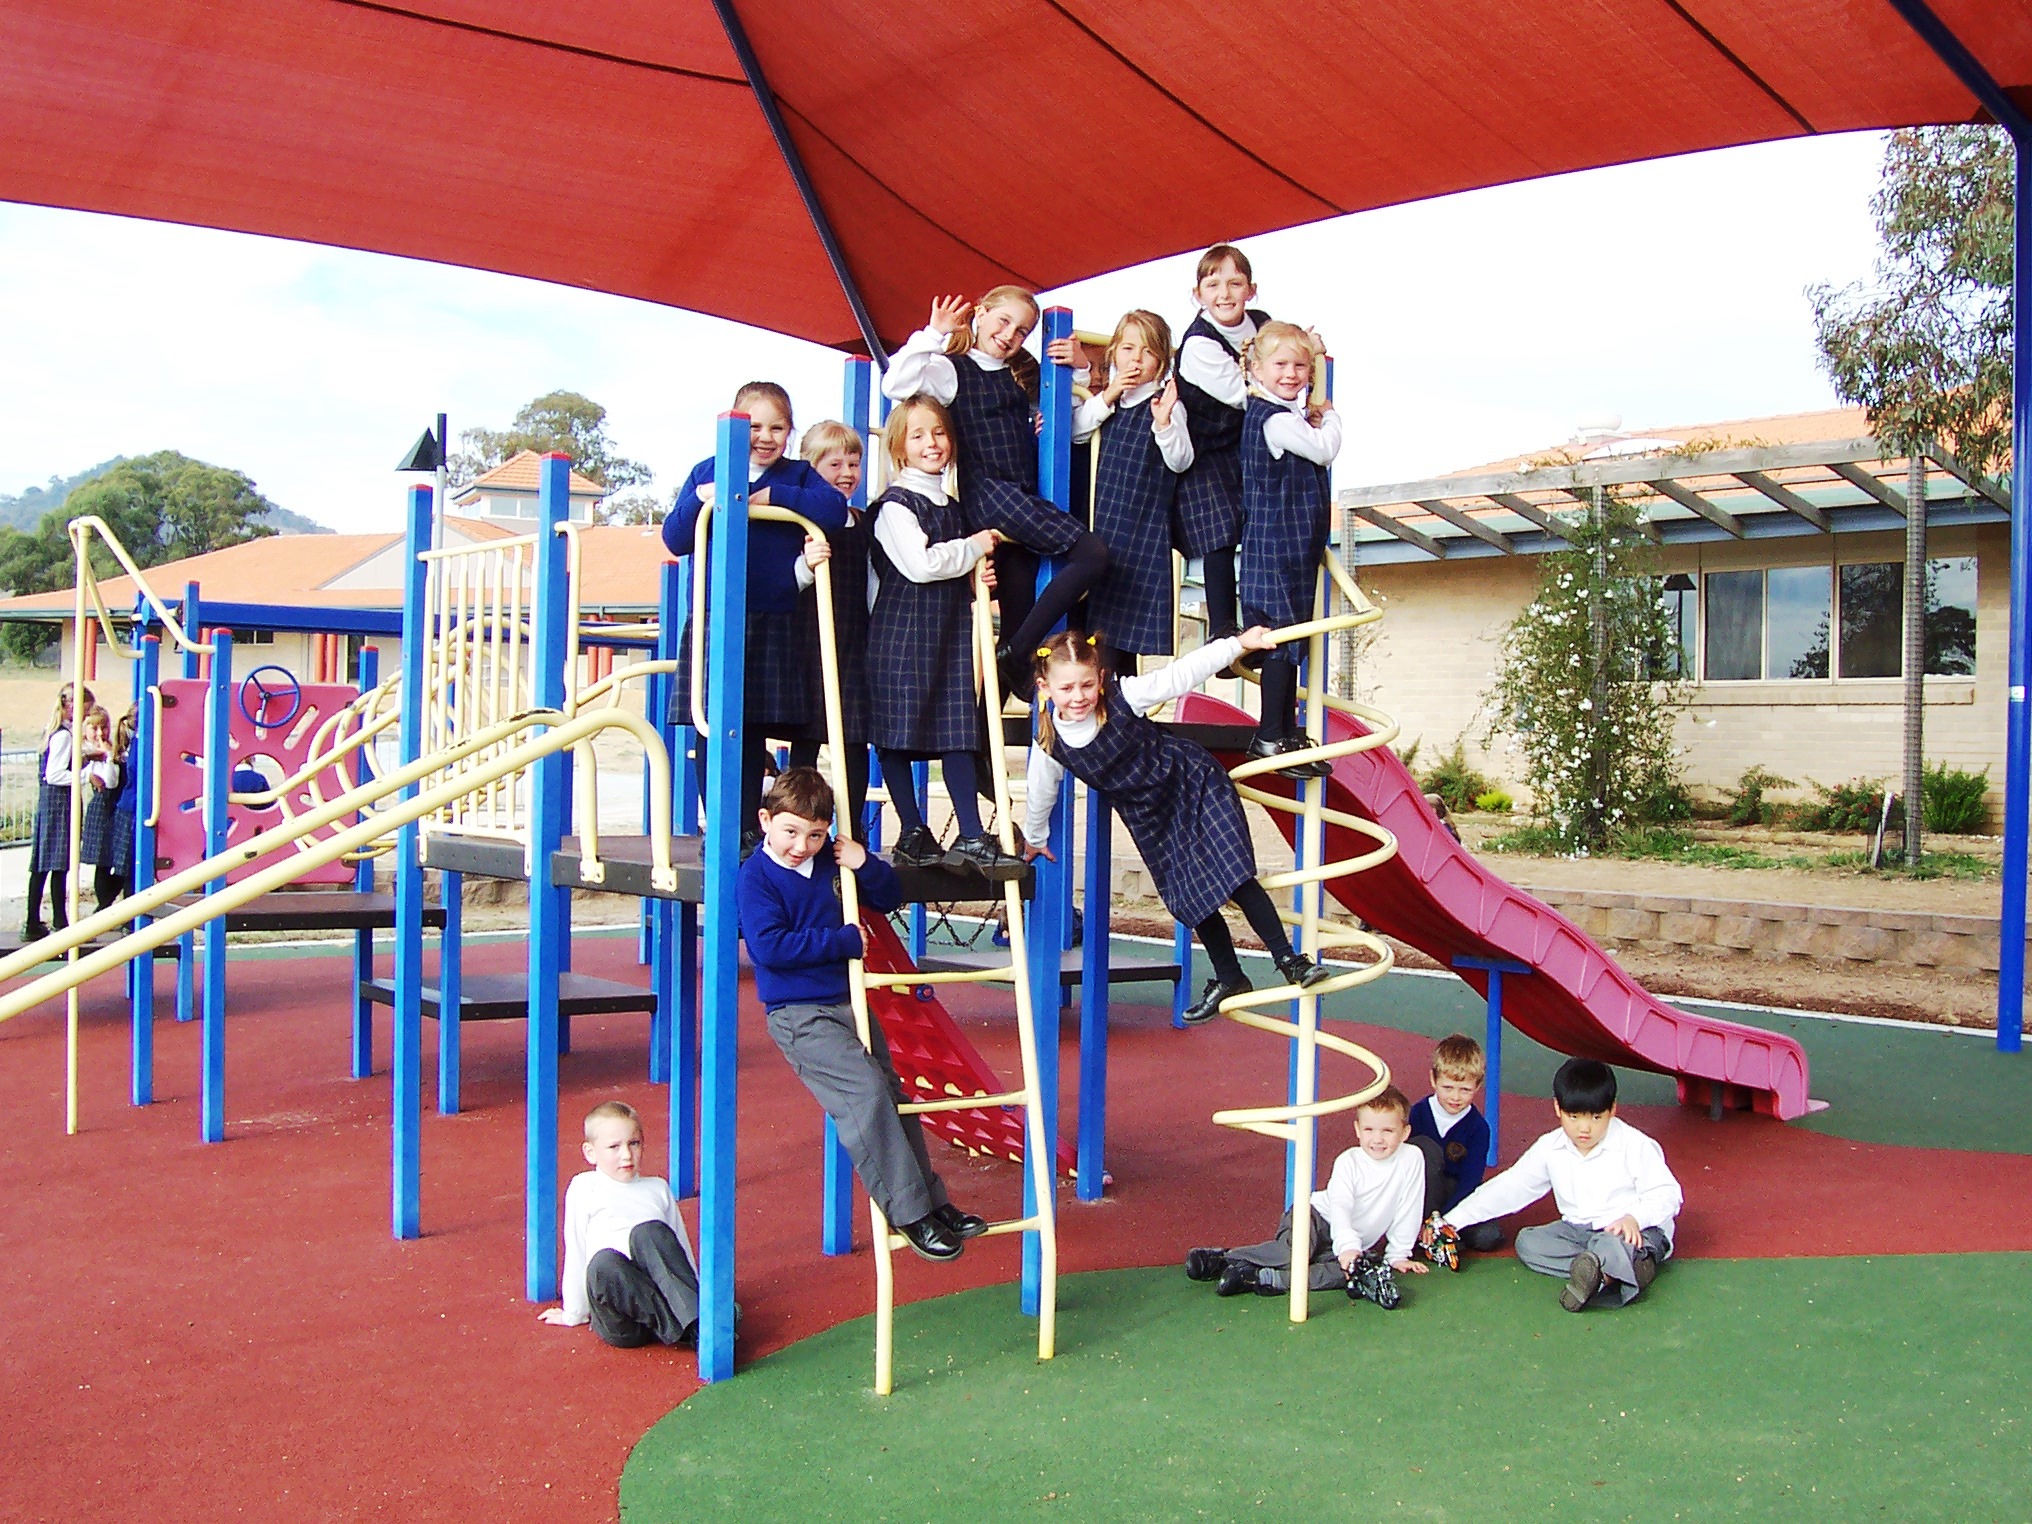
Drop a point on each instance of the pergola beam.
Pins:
(1388, 523)
(1693, 502)
(1530, 512)
(1644, 525)
(1975, 481)
(1787, 499)
(1890, 497)
(1461, 519)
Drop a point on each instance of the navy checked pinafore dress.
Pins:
(850, 633)
(96, 836)
(1285, 529)
(920, 645)
(1208, 514)
(1134, 491)
(998, 461)
(50, 849)
(781, 639)
(1180, 809)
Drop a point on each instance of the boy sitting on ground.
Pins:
(628, 1265)
(1453, 1135)
(800, 945)
(1617, 1200)
(1363, 1224)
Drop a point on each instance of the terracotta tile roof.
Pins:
(520, 472)
(283, 568)
(1746, 433)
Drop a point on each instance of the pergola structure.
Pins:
(1835, 486)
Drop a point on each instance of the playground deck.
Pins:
(210, 1331)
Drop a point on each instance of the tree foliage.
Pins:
(1574, 687)
(1925, 345)
(561, 422)
(161, 507)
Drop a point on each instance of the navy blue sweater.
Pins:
(773, 549)
(797, 938)
(1464, 1150)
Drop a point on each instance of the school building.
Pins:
(1781, 546)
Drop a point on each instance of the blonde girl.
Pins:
(49, 857)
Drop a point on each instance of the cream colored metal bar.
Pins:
(570, 531)
(910, 981)
(90, 526)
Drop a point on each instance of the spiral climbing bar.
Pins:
(1292, 1122)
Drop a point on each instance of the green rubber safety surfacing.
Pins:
(1892, 1388)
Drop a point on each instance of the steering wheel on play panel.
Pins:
(270, 696)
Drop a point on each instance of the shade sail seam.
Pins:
(898, 197)
(1149, 79)
(1743, 68)
(547, 43)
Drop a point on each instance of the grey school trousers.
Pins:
(1552, 1249)
(859, 1091)
(1272, 1258)
(649, 1293)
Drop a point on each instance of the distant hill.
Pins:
(24, 510)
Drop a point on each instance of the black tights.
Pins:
(1223, 607)
(853, 820)
(1280, 698)
(1028, 615)
(962, 781)
(1254, 903)
(754, 763)
(107, 886)
(58, 883)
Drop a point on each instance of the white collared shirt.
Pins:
(1214, 367)
(1625, 1175)
(1288, 432)
(1443, 1121)
(802, 870)
(1174, 443)
(902, 537)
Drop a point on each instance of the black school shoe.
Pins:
(1016, 674)
(1208, 1006)
(931, 1239)
(959, 1224)
(917, 848)
(1263, 747)
(1583, 1282)
(985, 855)
(1372, 1280)
(33, 931)
(1205, 1264)
(1296, 968)
(1238, 1279)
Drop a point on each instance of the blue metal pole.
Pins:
(2018, 711)
(548, 630)
(727, 617)
(662, 949)
(1051, 899)
(920, 921)
(684, 1032)
(148, 673)
(363, 882)
(405, 1065)
(450, 991)
(187, 944)
(1094, 994)
(218, 783)
(1181, 993)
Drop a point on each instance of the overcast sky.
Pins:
(1465, 330)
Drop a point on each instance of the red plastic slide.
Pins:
(1441, 900)
(934, 1059)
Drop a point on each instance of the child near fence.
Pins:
(49, 855)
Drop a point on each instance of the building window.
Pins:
(253, 637)
(1679, 596)
(1735, 626)
(1873, 618)
(1796, 620)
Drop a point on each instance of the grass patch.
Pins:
(1951, 865)
(1650, 843)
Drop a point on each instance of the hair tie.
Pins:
(1044, 650)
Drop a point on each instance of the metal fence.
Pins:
(17, 796)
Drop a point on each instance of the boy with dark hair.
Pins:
(1617, 1200)
(1363, 1224)
(1453, 1135)
(800, 946)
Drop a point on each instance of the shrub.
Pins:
(1668, 803)
(1955, 802)
(1455, 781)
(1495, 801)
(1748, 808)
(1854, 806)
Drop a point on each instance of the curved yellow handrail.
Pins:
(1292, 1121)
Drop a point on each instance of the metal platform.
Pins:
(1070, 966)
(625, 861)
(11, 943)
(317, 910)
(505, 997)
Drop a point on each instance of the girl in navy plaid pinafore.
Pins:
(922, 698)
(779, 643)
(997, 447)
(107, 840)
(49, 853)
(1135, 485)
(835, 451)
(1208, 517)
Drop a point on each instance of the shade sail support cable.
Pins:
(737, 38)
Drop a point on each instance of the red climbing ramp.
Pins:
(1440, 899)
(935, 1060)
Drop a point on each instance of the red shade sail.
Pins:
(951, 144)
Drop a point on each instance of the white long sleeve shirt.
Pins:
(922, 366)
(1367, 1200)
(1174, 443)
(902, 537)
(600, 1213)
(1213, 367)
(57, 769)
(1144, 693)
(1625, 1175)
(1288, 432)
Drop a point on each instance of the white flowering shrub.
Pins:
(1573, 686)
